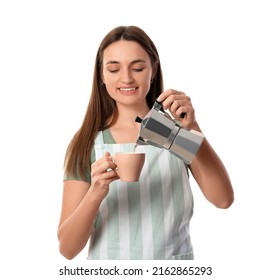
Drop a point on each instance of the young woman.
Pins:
(148, 219)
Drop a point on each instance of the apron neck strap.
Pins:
(99, 138)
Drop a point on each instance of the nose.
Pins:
(127, 76)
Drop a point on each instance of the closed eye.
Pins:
(138, 69)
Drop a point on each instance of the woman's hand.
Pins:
(102, 174)
(177, 103)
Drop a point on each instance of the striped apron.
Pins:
(148, 219)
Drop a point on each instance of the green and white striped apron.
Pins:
(148, 219)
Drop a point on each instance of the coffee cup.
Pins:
(129, 165)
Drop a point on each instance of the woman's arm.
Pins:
(207, 168)
(211, 175)
(80, 204)
(79, 209)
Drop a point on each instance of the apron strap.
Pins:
(99, 139)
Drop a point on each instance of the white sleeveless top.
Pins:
(148, 219)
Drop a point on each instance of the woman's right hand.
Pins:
(102, 174)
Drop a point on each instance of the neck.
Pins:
(127, 115)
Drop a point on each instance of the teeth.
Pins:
(127, 89)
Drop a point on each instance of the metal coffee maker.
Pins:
(160, 130)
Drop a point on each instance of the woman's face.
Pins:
(127, 72)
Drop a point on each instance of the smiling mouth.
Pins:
(127, 89)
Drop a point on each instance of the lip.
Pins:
(127, 90)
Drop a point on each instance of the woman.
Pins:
(148, 219)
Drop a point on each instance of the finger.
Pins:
(164, 95)
(188, 119)
(103, 167)
(105, 178)
(175, 100)
(109, 175)
(106, 157)
(180, 102)
(175, 104)
(181, 112)
(106, 166)
(169, 101)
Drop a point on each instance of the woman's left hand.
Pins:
(177, 103)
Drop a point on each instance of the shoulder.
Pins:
(107, 137)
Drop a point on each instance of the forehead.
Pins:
(125, 51)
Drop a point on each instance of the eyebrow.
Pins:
(132, 62)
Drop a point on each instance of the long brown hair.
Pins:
(101, 111)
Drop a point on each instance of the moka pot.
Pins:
(160, 130)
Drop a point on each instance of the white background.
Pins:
(215, 51)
